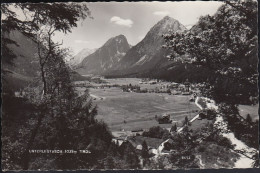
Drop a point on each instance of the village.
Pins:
(136, 137)
(156, 146)
(156, 129)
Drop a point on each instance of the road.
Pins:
(194, 118)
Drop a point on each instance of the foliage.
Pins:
(174, 128)
(184, 159)
(226, 43)
(130, 157)
(57, 118)
(186, 121)
(61, 16)
(128, 88)
(215, 156)
(156, 132)
(243, 129)
(144, 153)
(248, 118)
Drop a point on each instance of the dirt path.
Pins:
(243, 161)
(194, 118)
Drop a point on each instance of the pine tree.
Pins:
(130, 157)
(248, 119)
(186, 121)
(145, 153)
(109, 163)
(174, 128)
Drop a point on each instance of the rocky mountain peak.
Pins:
(166, 24)
(106, 57)
(117, 40)
(77, 59)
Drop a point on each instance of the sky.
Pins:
(132, 19)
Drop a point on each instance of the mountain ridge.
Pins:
(148, 53)
(145, 55)
(78, 58)
(104, 57)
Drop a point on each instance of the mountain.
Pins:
(176, 71)
(106, 57)
(77, 59)
(149, 54)
(119, 58)
(25, 67)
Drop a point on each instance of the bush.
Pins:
(157, 132)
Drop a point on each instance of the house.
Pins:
(152, 82)
(174, 85)
(152, 143)
(119, 140)
(19, 93)
(187, 85)
(137, 132)
(165, 119)
(207, 113)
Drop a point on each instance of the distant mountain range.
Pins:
(105, 58)
(148, 54)
(25, 67)
(116, 57)
(78, 58)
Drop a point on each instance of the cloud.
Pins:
(122, 22)
(82, 41)
(161, 13)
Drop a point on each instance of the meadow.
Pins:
(249, 109)
(133, 111)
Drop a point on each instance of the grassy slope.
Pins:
(216, 156)
(139, 109)
(247, 109)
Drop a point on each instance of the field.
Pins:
(247, 109)
(132, 111)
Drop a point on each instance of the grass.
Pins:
(198, 124)
(216, 156)
(138, 110)
(248, 109)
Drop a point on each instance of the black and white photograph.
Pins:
(129, 85)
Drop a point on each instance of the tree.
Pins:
(39, 22)
(70, 118)
(157, 132)
(145, 153)
(226, 43)
(186, 121)
(130, 157)
(109, 163)
(248, 118)
(174, 128)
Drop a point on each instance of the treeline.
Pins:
(226, 45)
(49, 115)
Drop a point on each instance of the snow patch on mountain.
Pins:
(78, 58)
(142, 60)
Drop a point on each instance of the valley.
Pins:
(134, 91)
(134, 111)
